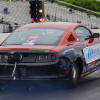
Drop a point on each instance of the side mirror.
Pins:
(96, 35)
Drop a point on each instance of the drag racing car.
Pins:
(49, 50)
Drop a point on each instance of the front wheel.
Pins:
(74, 75)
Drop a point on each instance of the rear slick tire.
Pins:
(74, 75)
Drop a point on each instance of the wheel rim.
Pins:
(74, 72)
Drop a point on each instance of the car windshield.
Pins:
(35, 36)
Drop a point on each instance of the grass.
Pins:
(68, 1)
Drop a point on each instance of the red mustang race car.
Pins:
(49, 50)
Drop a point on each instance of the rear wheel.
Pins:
(74, 75)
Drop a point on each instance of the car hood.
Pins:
(28, 47)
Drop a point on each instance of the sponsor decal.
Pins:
(89, 53)
(95, 69)
(92, 63)
(35, 34)
(88, 69)
(46, 51)
(84, 74)
(79, 35)
(92, 53)
(88, 73)
(97, 63)
(67, 51)
(81, 75)
(63, 53)
(30, 40)
(77, 39)
(20, 29)
(27, 43)
(31, 37)
(77, 31)
(85, 69)
(91, 67)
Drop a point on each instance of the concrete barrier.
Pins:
(3, 36)
(95, 30)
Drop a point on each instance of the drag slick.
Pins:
(49, 50)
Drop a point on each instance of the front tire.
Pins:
(74, 75)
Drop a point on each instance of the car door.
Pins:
(91, 51)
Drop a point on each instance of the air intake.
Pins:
(71, 38)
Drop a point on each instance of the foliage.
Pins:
(93, 5)
(89, 4)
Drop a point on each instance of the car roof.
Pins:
(59, 25)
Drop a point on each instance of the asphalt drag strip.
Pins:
(88, 89)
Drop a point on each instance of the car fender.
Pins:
(72, 56)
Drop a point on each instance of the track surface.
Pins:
(88, 89)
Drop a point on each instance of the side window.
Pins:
(83, 33)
